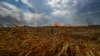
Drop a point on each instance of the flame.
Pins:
(57, 24)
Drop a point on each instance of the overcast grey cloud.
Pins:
(47, 12)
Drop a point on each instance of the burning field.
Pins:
(50, 41)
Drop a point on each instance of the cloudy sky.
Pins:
(47, 12)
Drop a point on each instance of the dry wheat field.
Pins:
(49, 41)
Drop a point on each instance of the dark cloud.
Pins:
(9, 20)
(92, 6)
(88, 9)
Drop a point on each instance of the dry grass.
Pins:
(41, 42)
